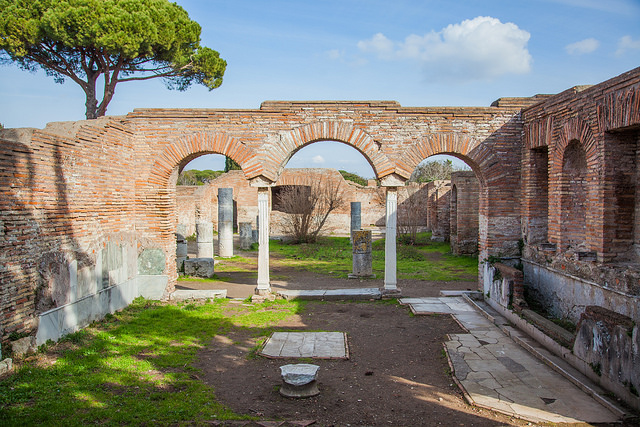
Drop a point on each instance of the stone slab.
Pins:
(185, 294)
(320, 345)
(332, 294)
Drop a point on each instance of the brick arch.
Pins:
(189, 147)
(464, 147)
(575, 129)
(574, 133)
(292, 141)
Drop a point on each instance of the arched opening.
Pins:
(201, 221)
(574, 192)
(438, 211)
(308, 173)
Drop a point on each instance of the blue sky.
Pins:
(419, 53)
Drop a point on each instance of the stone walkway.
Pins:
(496, 373)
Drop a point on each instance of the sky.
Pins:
(419, 53)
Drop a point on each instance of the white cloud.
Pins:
(334, 54)
(476, 49)
(378, 44)
(318, 159)
(625, 44)
(582, 47)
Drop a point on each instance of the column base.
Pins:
(390, 293)
(262, 295)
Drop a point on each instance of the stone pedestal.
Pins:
(299, 380)
(356, 218)
(204, 239)
(245, 235)
(181, 246)
(362, 258)
(199, 267)
(225, 222)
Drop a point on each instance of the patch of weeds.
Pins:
(255, 350)
(597, 368)
(633, 389)
(191, 238)
(565, 323)
(15, 336)
(410, 253)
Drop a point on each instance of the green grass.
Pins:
(133, 367)
(426, 260)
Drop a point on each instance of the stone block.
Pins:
(152, 287)
(609, 343)
(23, 346)
(5, 366)
(245, 235)
(199, 267)
(299, 380)
(151, 262)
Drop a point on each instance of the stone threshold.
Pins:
(186, 294)
(331, 294)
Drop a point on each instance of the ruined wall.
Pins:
(203, 199)
(94, 202)
(464, 203)
(67, 219)
(580, 192)
(438, 209)
(580, 221)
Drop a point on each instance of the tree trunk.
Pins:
(91, 103)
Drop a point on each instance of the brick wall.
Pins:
(580, 181)
(438, 208)
(464, 213)
(67, 194)
(412, 199)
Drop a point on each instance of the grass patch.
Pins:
(425, 260)
(133, 368)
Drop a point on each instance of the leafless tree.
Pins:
(410, 213)
(308, 206)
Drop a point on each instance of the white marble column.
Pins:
(264, 286)
(390, 265)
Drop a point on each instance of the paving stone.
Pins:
(499, 374)
(326, 345)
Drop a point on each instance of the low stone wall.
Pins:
(60, 321)
(567, 296)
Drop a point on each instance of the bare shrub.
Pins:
(410, 215)
(308, 206)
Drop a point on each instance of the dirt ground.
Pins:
(396, 374)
